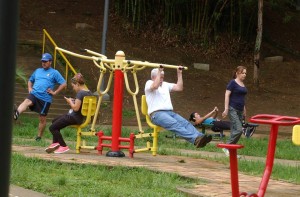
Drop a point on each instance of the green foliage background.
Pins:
(204, 20)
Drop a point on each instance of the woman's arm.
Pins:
(226, 103)
(212, 114)
(74, 104)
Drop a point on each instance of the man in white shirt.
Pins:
(160, 108)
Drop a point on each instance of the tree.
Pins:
(258, 43)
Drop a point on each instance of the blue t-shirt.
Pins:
(42, 80)
(237, 96)
(208, 121)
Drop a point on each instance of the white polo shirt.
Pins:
(158, 99)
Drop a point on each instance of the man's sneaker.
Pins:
(16, 113)
(38, 138)
(200, 142)
(226, 151)
(62, 149)
(208, 139)
(52, 147)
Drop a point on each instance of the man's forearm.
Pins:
(62, 86)
(179, 82)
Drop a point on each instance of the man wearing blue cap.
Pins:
(41, 89)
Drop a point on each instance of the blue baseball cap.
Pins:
(46, 57)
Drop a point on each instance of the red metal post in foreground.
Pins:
(233, 167)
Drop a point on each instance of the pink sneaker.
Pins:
(52, 147)
(62, 149)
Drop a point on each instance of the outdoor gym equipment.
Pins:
(154, 134)
(296, 135)
(118, 68)
(275, 121)
(88, 110)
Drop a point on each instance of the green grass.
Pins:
(65, 179)
(285, 149)
(55, 178)
(279, 172)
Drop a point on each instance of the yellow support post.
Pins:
(154, 134)
(296, 135)
(88, 110)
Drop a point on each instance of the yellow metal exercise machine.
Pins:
(118, 68)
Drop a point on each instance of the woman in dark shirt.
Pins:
(235, 105)
(73, 117)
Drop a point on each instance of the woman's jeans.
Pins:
(171, 121)
(236, 118)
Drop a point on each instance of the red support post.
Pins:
(99, 147)
(117, 106)
(275, 121)
(116, 137)
(233, 167)
(269, 161)
(131, 145)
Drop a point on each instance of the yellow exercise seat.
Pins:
(88, 110)
(154, 134)
(296, 135)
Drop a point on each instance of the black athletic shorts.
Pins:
(39, 106)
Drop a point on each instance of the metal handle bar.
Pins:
(78, 55)
(101, 93)
(101, 65)
(95, 53)
(155, 65)
(134, 67)
(103, 59)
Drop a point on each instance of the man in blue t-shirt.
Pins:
(41, 86)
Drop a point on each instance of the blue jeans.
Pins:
(236, 118)
(171, 121)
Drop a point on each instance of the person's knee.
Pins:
(52, 128)
(24, 105)
(27, 102)
(54, 132)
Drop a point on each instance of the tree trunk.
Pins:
(258, 43)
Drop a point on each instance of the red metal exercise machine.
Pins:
(275, 121)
